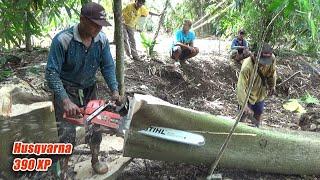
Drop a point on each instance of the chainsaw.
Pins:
(100, 112)
(113, 118)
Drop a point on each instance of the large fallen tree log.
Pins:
(23, 118)
(263, 150)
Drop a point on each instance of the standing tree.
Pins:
(118, 39)
(27, 31)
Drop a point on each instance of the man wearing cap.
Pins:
(239, 48)
(131, 13)
(264, 83)
(183, 46)
(74, 58)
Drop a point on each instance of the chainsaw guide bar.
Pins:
(174, 135)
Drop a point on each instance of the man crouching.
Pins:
(183, 48)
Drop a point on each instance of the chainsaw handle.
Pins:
(73, 120)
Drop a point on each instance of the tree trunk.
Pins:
(215, 17)
(118, 39)
(217, 7)
(162, 16)
(23, 119)
(264, 150)
(200, 14)
(27, 32)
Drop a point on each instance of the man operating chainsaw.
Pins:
(74, 58)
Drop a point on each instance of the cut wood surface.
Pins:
(24, 119)
(19, 92)
(116, 163)
(264, 150)
(84, 169)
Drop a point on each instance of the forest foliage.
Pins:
(296, 27)
(21, 19)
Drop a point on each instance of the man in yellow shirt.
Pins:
(264, 83)
(131, 13)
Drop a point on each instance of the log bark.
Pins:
(118, 38)
(264, 150)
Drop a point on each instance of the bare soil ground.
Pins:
(207, 84)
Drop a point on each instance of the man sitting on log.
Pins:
(131, 13)
(239, 48)
(183, 47)
(264, 83)
(74, 58)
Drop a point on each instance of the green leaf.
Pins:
(34, 70)
(5, 73)
(309, 99)
(289, 9)
(276, 4)
(3, 60)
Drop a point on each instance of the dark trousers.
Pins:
(257, 108)
(184, 54)
(66, 130)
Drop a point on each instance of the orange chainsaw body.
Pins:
(104, 118)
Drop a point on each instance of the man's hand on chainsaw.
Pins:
(70, 108)
(117, 98)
